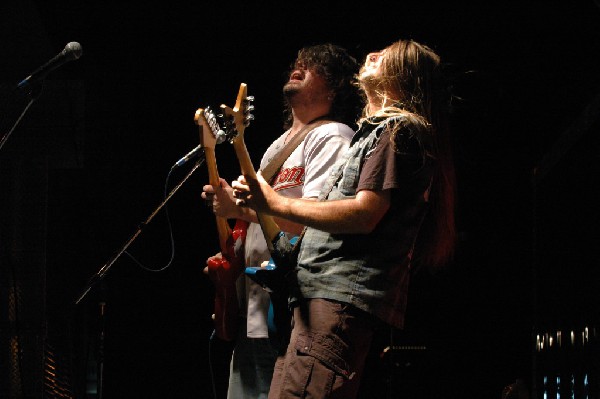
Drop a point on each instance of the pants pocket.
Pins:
(329, 350)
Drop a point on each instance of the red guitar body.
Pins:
(224, 273)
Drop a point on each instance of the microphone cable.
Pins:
(210, 363)
(169, 225)
(171, 239)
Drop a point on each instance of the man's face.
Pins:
(305, 82)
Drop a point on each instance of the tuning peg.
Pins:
(250, 98)
(221, 136)
(247, 119)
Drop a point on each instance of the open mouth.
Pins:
(297, 75)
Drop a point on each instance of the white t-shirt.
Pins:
(301, 176)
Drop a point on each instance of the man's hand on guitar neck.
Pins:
(222, 202)
(256, 193)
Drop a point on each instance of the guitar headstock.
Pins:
(237, 119)
(210, 132)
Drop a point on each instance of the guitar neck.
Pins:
(239, 116)
(268, 225)
(208, 128)
(223, 228)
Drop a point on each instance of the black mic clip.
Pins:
(190, 155)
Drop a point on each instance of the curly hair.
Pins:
(339, 70)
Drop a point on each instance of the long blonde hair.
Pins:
(409, 83)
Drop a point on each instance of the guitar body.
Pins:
(224, 273)
(272, 277)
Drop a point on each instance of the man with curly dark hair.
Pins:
(320, 100)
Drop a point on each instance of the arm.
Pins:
(358, 215)
(322, 148)
(223, 205)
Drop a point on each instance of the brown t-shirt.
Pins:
(392, 165)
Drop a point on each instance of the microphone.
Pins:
(190, 155)
(72, 51)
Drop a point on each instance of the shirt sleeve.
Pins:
(391, 165)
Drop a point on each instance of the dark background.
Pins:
(89, 161)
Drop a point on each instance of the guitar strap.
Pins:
(273, 167)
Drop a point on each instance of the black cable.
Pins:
(172, 240)
(210, 363)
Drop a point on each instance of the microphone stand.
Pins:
(104, 269)
(34, 91)
(96, 278)
(100, 355)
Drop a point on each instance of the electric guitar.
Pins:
(272, 277)
(225, 271)
(235, 122)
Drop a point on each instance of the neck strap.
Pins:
(269, 171)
